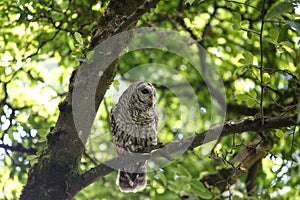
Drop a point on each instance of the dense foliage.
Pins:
(253, 43)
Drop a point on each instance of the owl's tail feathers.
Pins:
(131, 182)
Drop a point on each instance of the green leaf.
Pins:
(236, 18)
(180, 182)
(173, 186)
(242, 97)
(248, 58)
(268, 39)
(31, 157)
(162, 178)
(43, 139)
(42, 133)
(245, 23)
(243, 61)
(294, 25)
(240, 70)
(237, 163)
(278, 10)
(78, 38)
(287, 44)
(10, 135)
(200, 189)
(236, 27)
(183, 171)
(279, 133)
(196, 184)
(289, 47)
(189, 2)
(266, 77)
(274, 34)
(89, 55)
(12, 174)
(249, 35)
(116, 84)
(251, 102)
(253, 93)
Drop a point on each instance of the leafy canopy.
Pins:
(254, 44)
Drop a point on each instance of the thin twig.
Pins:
(292, 146)
(261, 63)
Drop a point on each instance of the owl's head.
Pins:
(143, 96)
(146, 94)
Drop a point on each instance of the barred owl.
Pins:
(133, 124)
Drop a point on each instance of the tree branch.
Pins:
(244, 161)
(194, 141)
(18, 148)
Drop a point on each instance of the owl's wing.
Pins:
(112, 121)
(116, 132)
(156, 120)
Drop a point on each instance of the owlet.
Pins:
(133, 125)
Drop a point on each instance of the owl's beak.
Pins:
(152, 99)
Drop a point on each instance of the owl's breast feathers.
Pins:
(131, 134)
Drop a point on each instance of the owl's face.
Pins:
(146, 94)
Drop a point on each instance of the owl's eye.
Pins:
(145, 91)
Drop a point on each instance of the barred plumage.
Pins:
(133, 124)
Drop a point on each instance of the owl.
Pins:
(133, 125)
